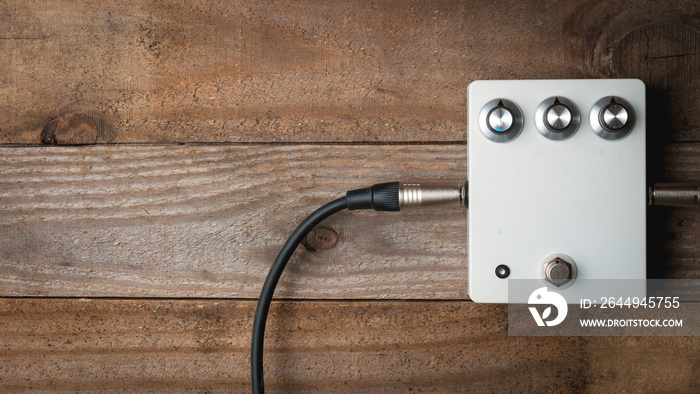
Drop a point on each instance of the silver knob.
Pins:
(615, 116)
(558, 117)
(500, 119)
(612, 118)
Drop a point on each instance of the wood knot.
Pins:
(664, 55)
(321, 238)
(70, 129)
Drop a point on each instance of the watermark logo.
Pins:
(543, 297)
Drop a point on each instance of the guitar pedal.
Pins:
(557, 184)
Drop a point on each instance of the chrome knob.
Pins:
(558, 117)
(500, 119)
(615, 116)
(612, 118)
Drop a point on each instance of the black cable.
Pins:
(256, 350)
(380, 197)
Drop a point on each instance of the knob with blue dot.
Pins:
(500, 120)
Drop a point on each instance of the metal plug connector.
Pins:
(675, 194)
(433, 194)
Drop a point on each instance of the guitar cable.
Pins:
(393, 196)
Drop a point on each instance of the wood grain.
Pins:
(207, 221)
(136, 345)
(311, 70)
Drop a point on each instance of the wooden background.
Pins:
(184, 140)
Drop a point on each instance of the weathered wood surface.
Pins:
(167, 221)
(236, 71)
(172, 345)
(208, 221)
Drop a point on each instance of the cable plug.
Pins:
(398, 196)
(685, 195)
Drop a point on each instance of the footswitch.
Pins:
(557, 184)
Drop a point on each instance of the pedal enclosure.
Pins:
(533, 197)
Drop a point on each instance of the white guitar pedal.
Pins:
(557, 184)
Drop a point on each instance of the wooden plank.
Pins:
(313, 70)
(208, 221)
(133, 345)
(197, 221)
